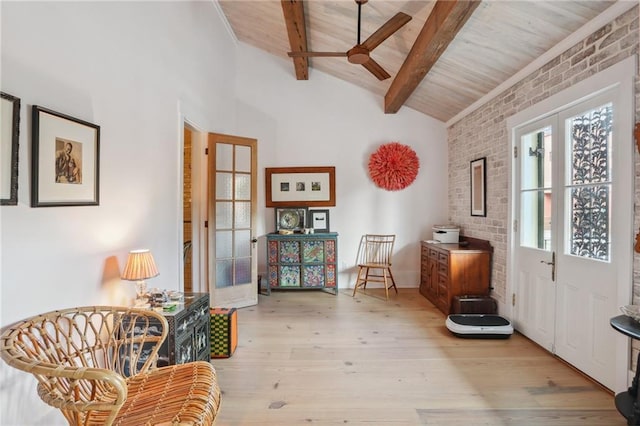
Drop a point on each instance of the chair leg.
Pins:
(359, 281)
(384, 278)
(393, 281)
(366, 277)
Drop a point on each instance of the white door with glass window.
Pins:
(232, 211)
(573, 224)
(535, 290)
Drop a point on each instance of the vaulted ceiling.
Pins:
(495, 40)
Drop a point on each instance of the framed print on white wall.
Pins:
(9, 135)
(65, 160)
(300, 186)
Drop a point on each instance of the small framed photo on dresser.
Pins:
(319, 220)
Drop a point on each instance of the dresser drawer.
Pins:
(443, 281)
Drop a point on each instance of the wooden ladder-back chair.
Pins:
(374, 262)
(97, 364)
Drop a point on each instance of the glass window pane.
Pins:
(590, 222)
(224, 244)
(243, 215)
(590, 134)
(536, 159)
(535, 222)
(243, 158)
(223, 186)
(224, 156)
(243, 243)
(243, 270)
(243, 187)
(224, 215)
(588, 185)
(224, 273)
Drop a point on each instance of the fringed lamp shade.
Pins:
(140, 266)
(393, 166)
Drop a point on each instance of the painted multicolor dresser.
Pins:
(303, 261)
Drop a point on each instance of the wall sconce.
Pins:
(140, 266)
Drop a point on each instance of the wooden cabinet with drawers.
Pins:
(449, 270)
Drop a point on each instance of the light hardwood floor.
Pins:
(310, 357)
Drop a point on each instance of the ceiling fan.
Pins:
(360, 53)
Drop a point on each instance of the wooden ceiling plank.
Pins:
(293, 11)
(444, 22)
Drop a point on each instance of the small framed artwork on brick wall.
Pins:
(479, 187)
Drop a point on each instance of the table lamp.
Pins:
(140, 266)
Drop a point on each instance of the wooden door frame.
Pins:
(199, 266)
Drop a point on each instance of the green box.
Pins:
(224, 332)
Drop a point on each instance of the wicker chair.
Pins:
(374, 262)
(98, 366)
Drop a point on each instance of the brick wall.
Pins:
(483, 133)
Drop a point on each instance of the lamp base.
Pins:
(141, 303)
(141, 289)
(141, 294)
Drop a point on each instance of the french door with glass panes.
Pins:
(232, 211)
(572, 210)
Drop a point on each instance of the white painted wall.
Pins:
(129, 67)
(135, 69)
(327, 122)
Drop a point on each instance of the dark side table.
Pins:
(627, 402)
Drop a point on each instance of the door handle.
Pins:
(553, 265)
(254, 240)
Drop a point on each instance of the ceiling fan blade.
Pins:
(375, 69)
(315, 54)
(385, 31)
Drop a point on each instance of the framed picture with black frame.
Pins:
(65, 163)
(9, 136)
(319, 220)
(479, 187)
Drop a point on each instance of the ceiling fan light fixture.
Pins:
(358, 55)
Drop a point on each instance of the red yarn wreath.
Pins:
(393, 166)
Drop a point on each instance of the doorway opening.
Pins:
(187, 208)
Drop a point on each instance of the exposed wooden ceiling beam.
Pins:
(296, 30)
(444, 22)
